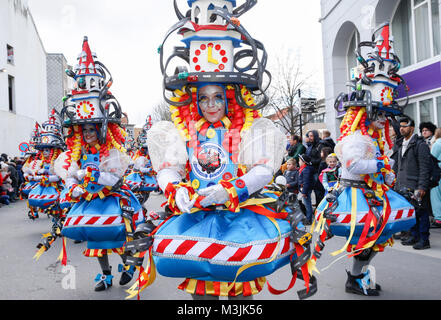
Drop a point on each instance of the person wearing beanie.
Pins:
(427, 130)
(306, 184)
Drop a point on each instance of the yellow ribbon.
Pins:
(353, 222)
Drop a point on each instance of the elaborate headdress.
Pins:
(142, 138)
(91, 102)
(376, 88)
(51, 134)
(211, 32)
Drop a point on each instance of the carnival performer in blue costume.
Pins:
(141, 178)
(44, 196)
(31, 163)
(362, 206)
(226, 232)
(104, 212)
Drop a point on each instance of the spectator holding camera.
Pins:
(413, 170)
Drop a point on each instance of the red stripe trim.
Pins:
(411, 211)
(216, 287)
(212, 251)
(110, 220)
(92, 220)
(162, 245)
(200, 287)
(286, 245)
(347, 219)
(185, 246)
(77, 220)
(240, 254)
(268, 250)
(399, 214)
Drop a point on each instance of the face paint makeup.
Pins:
(90, 134)
(211, 100)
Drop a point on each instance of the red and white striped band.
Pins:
(397, 214)
(42, 196)
(221, 252)
(101, 220)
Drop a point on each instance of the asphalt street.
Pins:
(404, 273)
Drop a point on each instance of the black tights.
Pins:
(104, 262)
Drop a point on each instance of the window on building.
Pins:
(10, 54)
(11, 100)
(410, 111)
(402, 31)
(416, 30)
(426, 110)
(435, 27)
(351, 55)
(438, 110)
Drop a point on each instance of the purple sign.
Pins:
(422, 80)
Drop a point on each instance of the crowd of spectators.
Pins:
(312, 167)
(11, 178)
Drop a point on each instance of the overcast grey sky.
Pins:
(126, 35)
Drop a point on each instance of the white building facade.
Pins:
(415, 25)
(23, 84)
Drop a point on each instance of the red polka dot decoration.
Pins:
(85, 110)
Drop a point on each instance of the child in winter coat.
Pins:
(330, 175)
(306, 183)
(292, 176)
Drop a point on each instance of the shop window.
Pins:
(416, 30)
(426, 110)
(410, 111)
(438, 110)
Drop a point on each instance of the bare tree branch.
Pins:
(284, 104)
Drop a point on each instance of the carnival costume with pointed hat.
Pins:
(44, 196)
(362, 206)
(32, 163)
(104, 211)
(226, 232)
(141, 178)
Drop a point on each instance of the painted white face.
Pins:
(90, 134)
(380, 122)
(46, 152)
(212, 103)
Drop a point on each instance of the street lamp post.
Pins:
(301, 114)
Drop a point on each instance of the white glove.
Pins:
(81, 174)
(183, 200)
(390, 178)
(53, 178)
(213, 195)
(107, 179)
(37, 178)
(145, 170)
(391, 162)
(77, 191)
(41, 171)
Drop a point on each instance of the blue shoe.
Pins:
(361, 285)
(103, 282)
(127, 274)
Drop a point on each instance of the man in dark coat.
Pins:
(413, 168)
(327, 141)
(313, 148)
